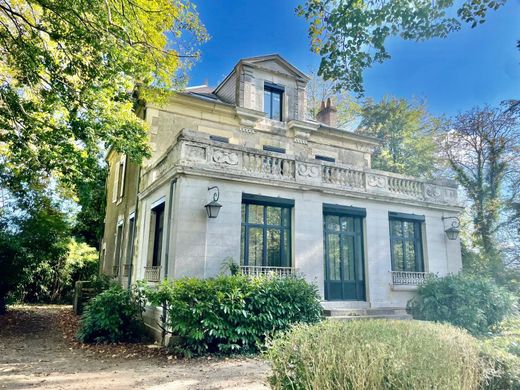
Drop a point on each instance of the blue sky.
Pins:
(470, 67)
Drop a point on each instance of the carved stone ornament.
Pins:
(433, 192)
(195, 153)
(308, 170)
(247, 130)
(376, 181)
(301, 141)
(225, 157)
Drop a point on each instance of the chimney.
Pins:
(327, 114)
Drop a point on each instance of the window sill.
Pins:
(403, 287)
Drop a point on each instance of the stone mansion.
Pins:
(239, 172)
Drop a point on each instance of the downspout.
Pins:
(168, 228)
(167, 255)
(134, 231)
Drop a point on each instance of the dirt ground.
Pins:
(38, 351)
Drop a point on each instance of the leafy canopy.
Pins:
(407, 134)
(350, 35)
(70, 74)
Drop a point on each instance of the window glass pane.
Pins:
(276, 105)
(255, 249)
(396, 227)
(397, 252)
(242, 244)
(409, 229)
(286, 217)
(409, 256)
(273, 248)
(359, 254)
(256, 213)
(332, 223)
(286, 253)
(274, 215)
(243, 213)
(267, 103)
(333, 257)
(347, 224)
(348, 258)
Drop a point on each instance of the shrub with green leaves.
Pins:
(234, 314)
(474, 303)
(374, 354)
(112, 316)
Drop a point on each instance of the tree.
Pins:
(351, 35)
(319, 90)
(482, 147)
(71, 72)
(407, 134)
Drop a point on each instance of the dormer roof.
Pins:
(271, 62)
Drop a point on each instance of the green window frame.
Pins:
(406, 246)
(266, 231)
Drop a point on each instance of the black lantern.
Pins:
(213, 207)
(453, 231)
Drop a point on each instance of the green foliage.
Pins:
(407, 134)
(233, 314)
(112, 316)
(376, 354)
(471, 302)
(71, 75)
(351, 35)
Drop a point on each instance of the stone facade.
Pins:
(223, 138)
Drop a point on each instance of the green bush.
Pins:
(233, 314)
(112, 316)
(473, 303)
(501, 352)
(375, 354)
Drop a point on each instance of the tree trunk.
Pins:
(2, 305)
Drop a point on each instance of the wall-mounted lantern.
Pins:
(453, 231)
(213, 207)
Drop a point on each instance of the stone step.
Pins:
(341, 312)
(400, 317)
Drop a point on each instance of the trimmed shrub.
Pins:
(234, 314)
(502, 369)
(501, 353)
(375, 354)
(473, 303)
(112, 316)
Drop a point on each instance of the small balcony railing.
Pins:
(152, 273)
(115, 271)
(407, 278)
(126, 270)
(253, 270)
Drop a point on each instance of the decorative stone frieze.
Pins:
(222, 156)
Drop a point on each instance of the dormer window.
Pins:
(273, 101)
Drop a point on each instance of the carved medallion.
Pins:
(376, 181)
(225, 157)
(308, 170)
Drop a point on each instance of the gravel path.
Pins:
(38, 351)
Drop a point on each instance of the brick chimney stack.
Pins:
(328, 114)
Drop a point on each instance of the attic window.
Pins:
(324, 158)
(218, 138)
(274, 149)
(273, 101)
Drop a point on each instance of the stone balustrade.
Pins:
(195, 153)
(152, 273)
(254, 270)
(407, 278)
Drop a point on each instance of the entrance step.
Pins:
(369, 313)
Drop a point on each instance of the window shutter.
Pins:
(123, 174)
(115, 187)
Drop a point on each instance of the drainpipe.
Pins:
(168, 227)
(134, 231)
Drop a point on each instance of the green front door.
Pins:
(344, 270)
